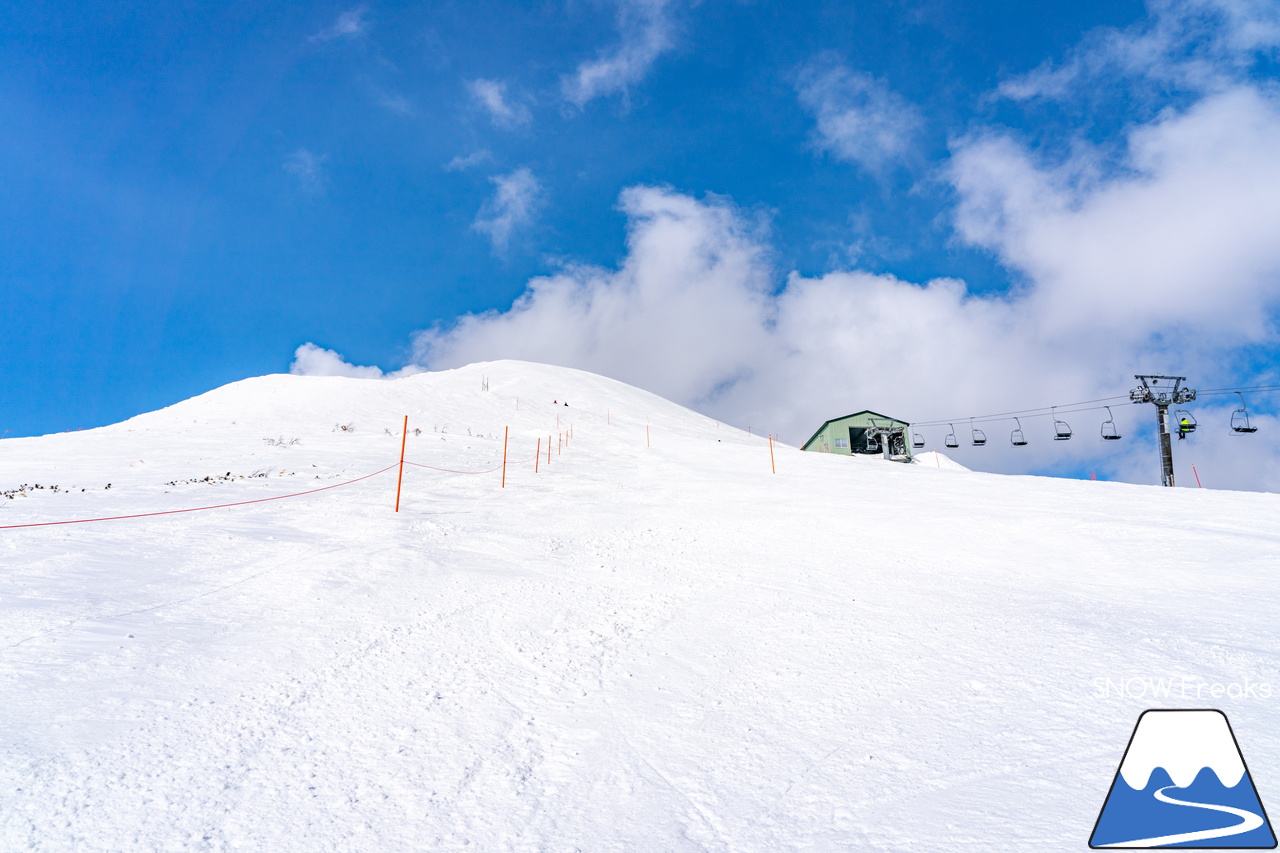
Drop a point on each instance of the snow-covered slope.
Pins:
(657, 646)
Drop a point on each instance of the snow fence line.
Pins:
(390, 467)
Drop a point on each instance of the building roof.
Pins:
(826, 423)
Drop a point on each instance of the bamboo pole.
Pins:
(505, 431)
(400, 478)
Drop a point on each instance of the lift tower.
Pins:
(1173, 394)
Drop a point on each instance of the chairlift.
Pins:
(1016, 437)
(951, 440)
(917, 440)
(1240, 418)
(1190, 426)
(978, 437)
(1061, 429)
(1109, 431)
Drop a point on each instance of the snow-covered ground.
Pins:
(636, 648)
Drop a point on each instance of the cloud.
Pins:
(646, 32)
(311, 360)
(492, 95)
(1195, 45)
(516, 199)
(350, 24)
(683, 314)
(1182, 239)
(398, 104)
(475, 158)
(859, 119)
(694, 312)
(308, 168)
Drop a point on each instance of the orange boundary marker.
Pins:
(548, 450)
(400, 477)
(505, 431)
(772, 466)
(537, 454)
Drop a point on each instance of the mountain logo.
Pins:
(1183, 783)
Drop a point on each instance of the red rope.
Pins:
(449, 470)
(199, 508)
(510, 463)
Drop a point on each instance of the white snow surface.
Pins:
(636, 648)
(1183, 743)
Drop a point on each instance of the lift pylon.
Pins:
(1162, 397)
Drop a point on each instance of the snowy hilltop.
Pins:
(636, 636)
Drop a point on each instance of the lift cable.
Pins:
(1082, 406)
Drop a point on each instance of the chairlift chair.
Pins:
(978, 437)
(917, 440)
(1109, 430)
(1190, 418)
(951, 440)
(1016, 437)
(1240, 418)
(1061, 429)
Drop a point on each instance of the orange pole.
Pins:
(537, 454)
(505, 430)
(772, 466)
(548, 450)
(646, 435)
(559, 438)
(400, 479)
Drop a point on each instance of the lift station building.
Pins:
(863, 432)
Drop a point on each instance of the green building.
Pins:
(864, 432)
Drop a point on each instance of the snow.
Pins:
(636, 648)
(1183, 743)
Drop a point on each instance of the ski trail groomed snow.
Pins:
(1249, 821)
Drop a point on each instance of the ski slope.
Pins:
(636, 648)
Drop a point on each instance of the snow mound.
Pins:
(934, 459)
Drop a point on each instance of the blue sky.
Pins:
(190, 192)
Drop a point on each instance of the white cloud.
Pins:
(311, 360)
(350, 24)
(398, 104)
(1199, 45)
(646, 32)
(308, 168)
(692, 314)
(462, 163)
(516, 199)
(683, 315)
(492, 95)
(859, 118)
(1184, 239)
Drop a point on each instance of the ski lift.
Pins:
(951, 440)
(1240, 418)
(1190, 426)
(917, 440)
(978, 437)
(1109, 431)
(1061, 429)
(1016, 437)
